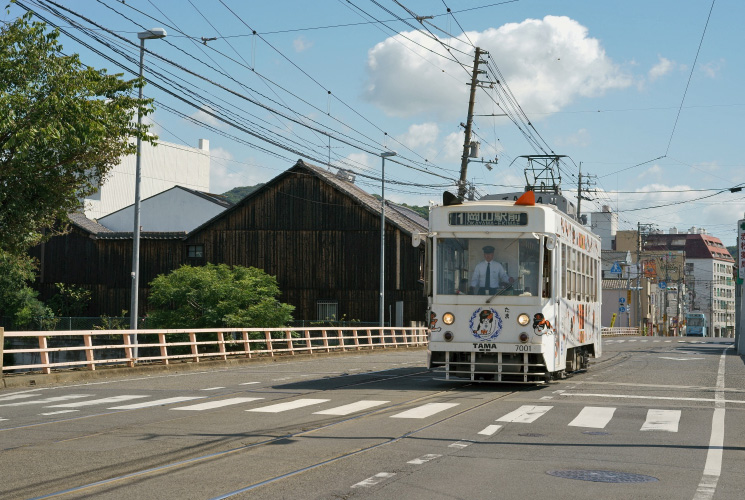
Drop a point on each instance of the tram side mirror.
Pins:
(550, 241)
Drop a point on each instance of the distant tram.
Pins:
(514, 292)
(696, 325)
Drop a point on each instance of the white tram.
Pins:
(537, 320)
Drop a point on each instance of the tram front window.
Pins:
(485, 266)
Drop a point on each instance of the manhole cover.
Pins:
(596, 433)
(602, 476)
(532, 435)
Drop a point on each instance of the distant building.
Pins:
(605, 225)
(164, 166)
(176, 209)
(708, 275)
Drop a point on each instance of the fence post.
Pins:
(89, 352)
(269, 346)
(163, 348)
(221, 345)
(128, 350)
(246, 344)
(194, 347)
(44, 355)
(2, 345)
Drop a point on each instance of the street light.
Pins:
(383, 155)
(145, 35)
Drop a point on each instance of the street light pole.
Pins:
(383, 156)
(145, 35)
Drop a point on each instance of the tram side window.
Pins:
(546, 291)
(564, 278)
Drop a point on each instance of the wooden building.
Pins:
(315, 230)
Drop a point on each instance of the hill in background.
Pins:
(238, 193)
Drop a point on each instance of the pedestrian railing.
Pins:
(619, 331)
(44, 351)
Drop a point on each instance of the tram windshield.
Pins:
(488, 266)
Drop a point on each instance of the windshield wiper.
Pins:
(501, 291)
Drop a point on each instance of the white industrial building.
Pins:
(163, 165)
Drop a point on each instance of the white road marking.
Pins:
(460, 444)
(209, 405)
(423, 460)
(679, 359)
(157, 402)
(213, 388)
(713, 467)
(290, 405)
(662, 420)
(351, 408)
(372, 481)
(632, 396)
(425, 411)
(249, 383)
(547, 397)
(58, 412)
(525, 414)
(16, 396)
(53, 399)
(113, 399)
(596, 417)
(489, 430)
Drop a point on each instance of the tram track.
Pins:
(90, 488)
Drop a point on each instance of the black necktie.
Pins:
(488, 276)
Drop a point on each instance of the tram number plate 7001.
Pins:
(523, 347)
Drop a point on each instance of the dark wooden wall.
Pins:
(319, 242)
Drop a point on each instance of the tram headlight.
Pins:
(523, 319)
(448, 318)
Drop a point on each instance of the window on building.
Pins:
(327, 310)
(195, 251)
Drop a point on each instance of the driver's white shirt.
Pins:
(498, 275)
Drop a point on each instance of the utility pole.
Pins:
(469, 123)
(588, 178)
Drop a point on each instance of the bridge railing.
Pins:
(44, 351)
(619, 331)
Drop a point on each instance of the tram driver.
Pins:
(488, 275)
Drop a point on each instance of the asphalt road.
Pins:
(657, 418)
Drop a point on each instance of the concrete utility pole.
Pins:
(469, 123)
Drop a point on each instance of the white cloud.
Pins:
(663, 67)
(301, 44)
(420, 135)
(225, 174)
(547, 63)
(712, 68)
(655, 171)
(205, 117)
(580, 138)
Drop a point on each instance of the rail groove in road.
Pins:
(211, 456)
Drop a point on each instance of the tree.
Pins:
(63, 126)
(214, 296)
(18, 302)
(70, 300)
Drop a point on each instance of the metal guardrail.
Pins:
(619, 331)
(89, 348)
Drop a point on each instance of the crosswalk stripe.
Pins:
(525, 414)
(113, 399)
(372, 481)
(662, 420)
(290, 405)
(596, 417)
(16, 396)
(351, 408)
(423, 459)
(157, 402)
(490, 430)
(52, 399)
(209, 405)
(425, 411)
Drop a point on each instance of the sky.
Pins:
(644, 97)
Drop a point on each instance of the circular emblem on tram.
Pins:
(486, 323)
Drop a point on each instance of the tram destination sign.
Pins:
(488, 218)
